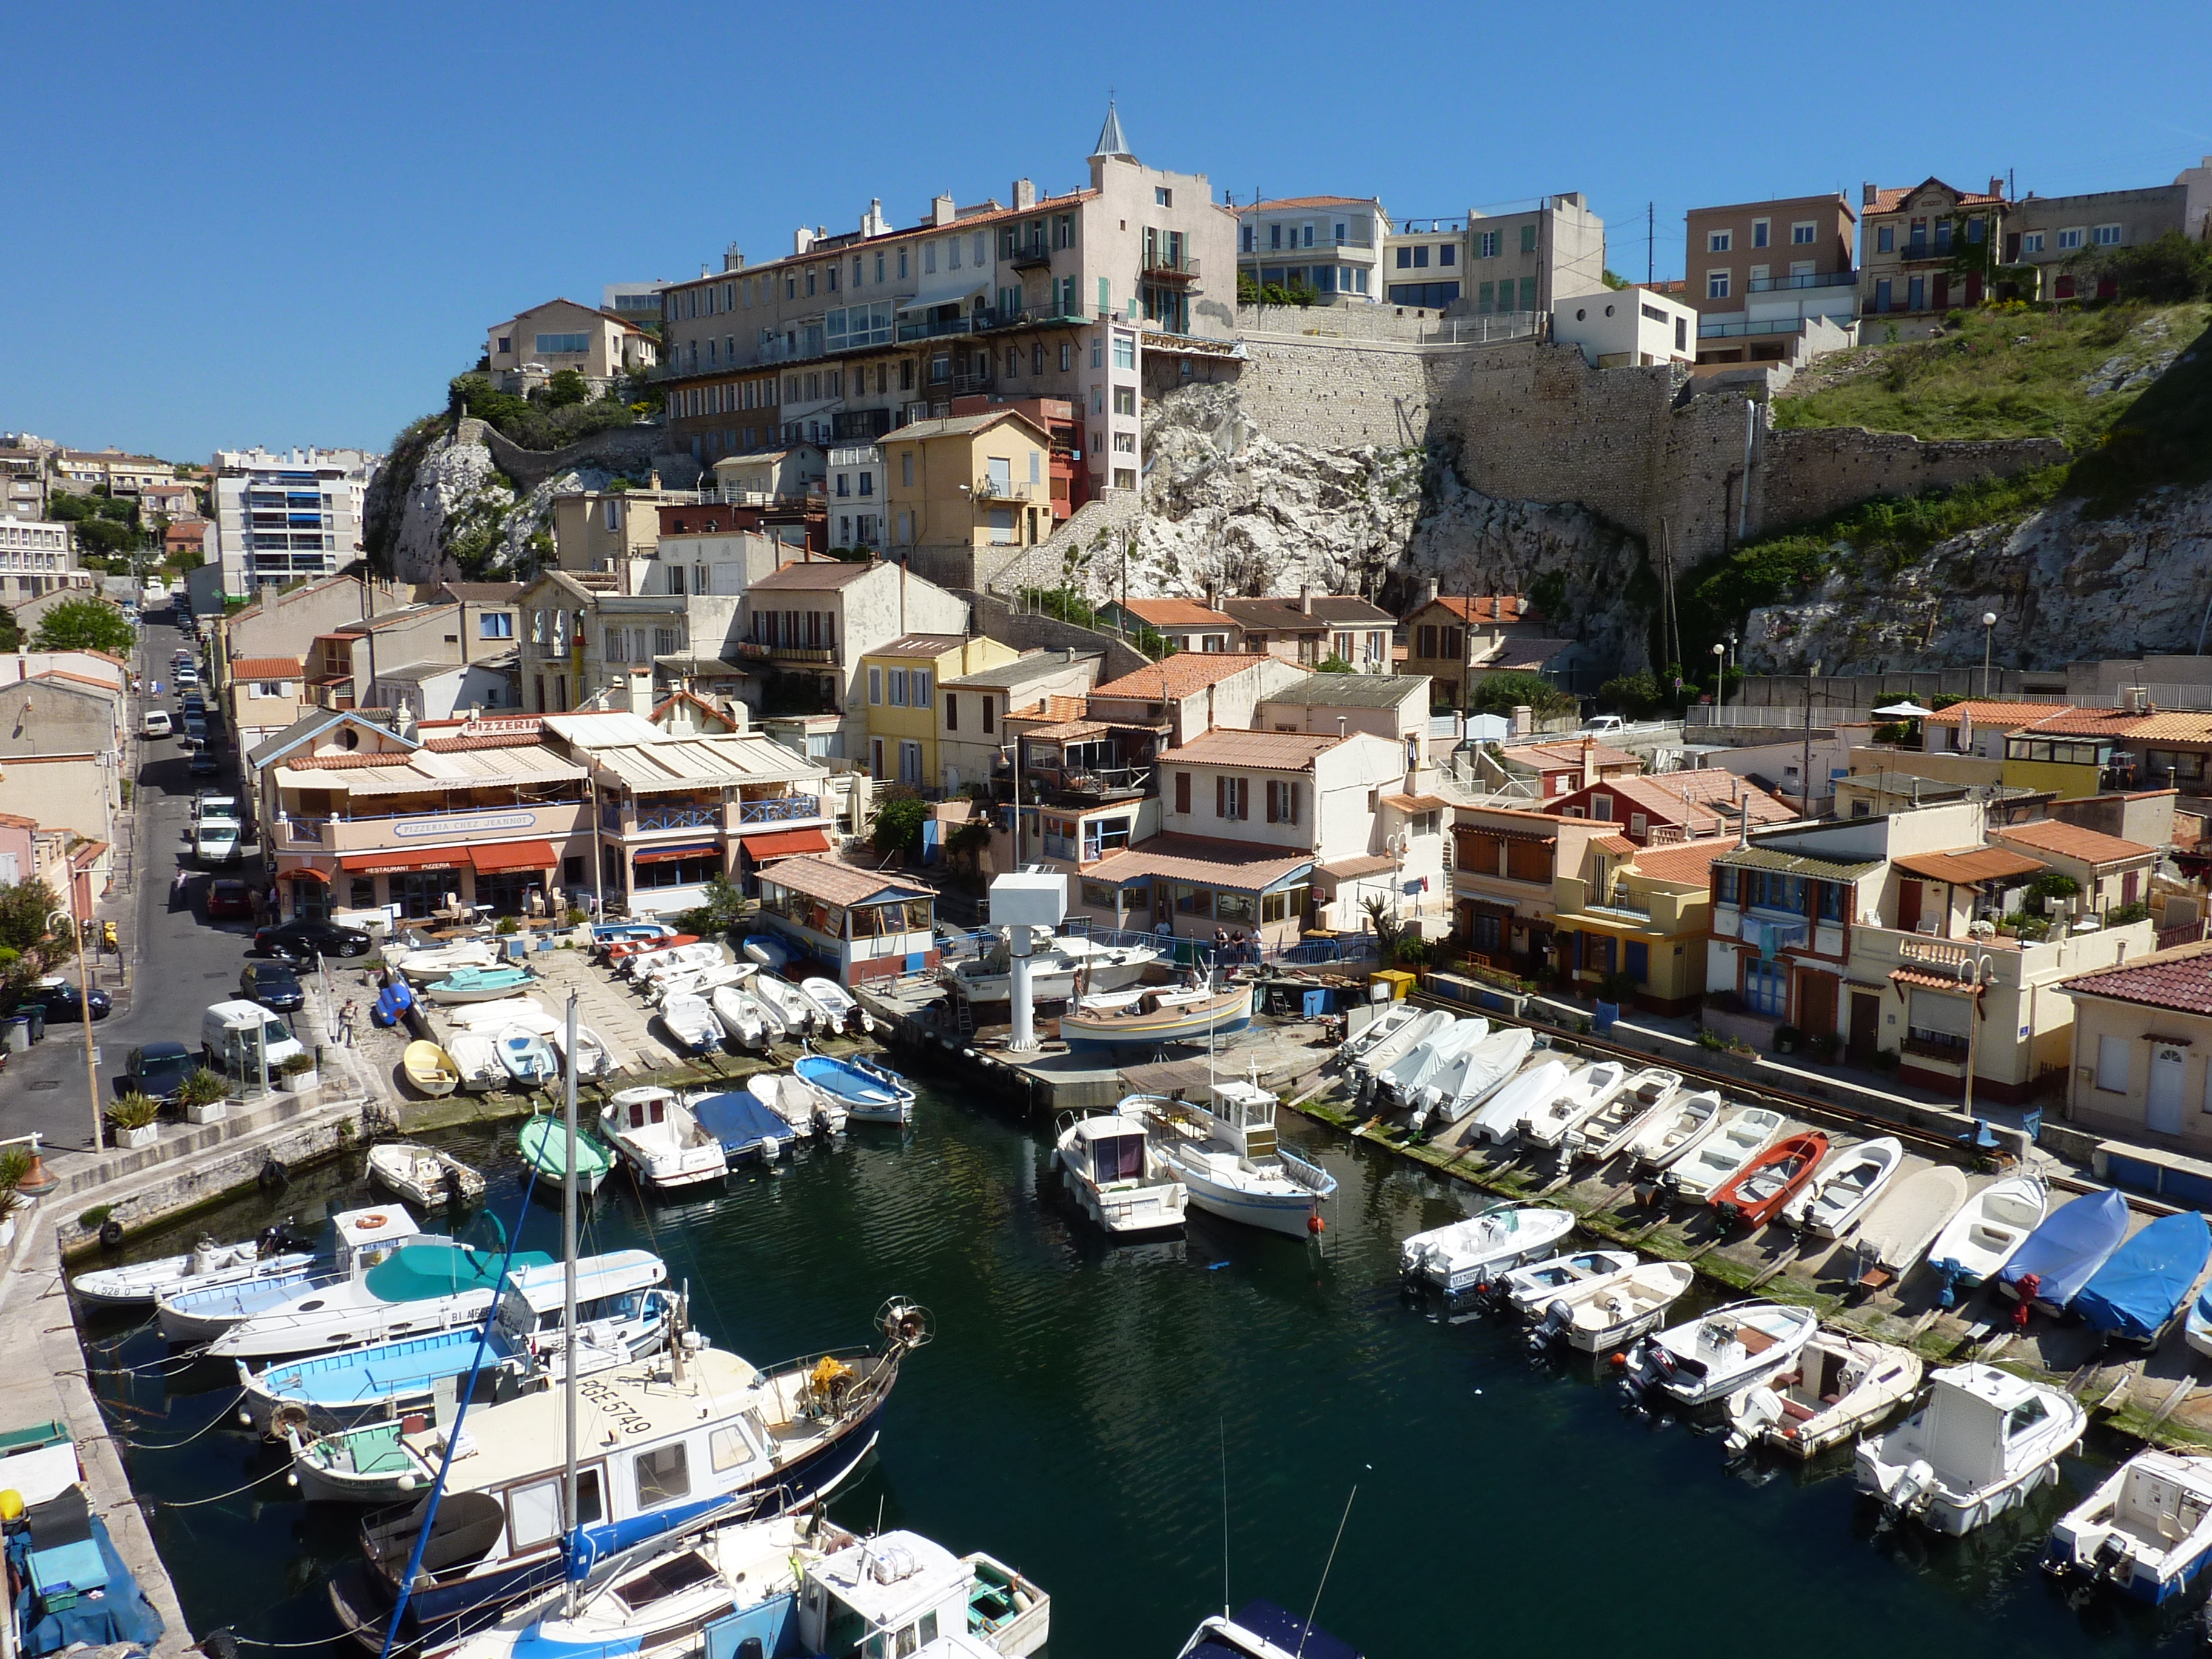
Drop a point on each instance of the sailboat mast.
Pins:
(568, 1286)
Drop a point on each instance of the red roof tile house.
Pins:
(1660, 809)
(1559, 769)
(2143, 1053)
(1459, 640)
(1185, 624)
(2114, 873)
(1190, 694)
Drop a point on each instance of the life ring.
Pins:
(111, 1233)
(370, 1222)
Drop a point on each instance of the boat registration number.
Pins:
(628, 1418)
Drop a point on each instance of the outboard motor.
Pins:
(1910, 1494)
(1556, 1318)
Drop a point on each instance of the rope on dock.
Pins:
(220, 1417)
(196, 1503)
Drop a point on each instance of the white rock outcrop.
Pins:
(453, 483)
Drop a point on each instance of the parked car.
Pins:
(238, 1035)
(213, 806)
(157, 1069)
(203, 763)
(215, 843)
(188, 675)
(304, 940)
(63, 1001)
(157, 723)
(230, 897)
(273, 985)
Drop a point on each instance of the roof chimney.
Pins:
(640, 694)
(1342, 722)
(872, 222)
(802, 240)
(1305, 598)
(1866, 194)
(1997, 184)
(1213, 596)
(732, 257)
(1024, 193)
(941, 210)
(1428, 590)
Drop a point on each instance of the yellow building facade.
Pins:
(901, 678)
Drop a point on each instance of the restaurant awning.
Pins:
(782, 843)
(948, 290)
(303, 873)
(394, 860)
(512, 856)
(670, 854)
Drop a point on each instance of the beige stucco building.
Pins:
(521, 352)
(2141, 1053)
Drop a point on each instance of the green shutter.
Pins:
(1105, 294)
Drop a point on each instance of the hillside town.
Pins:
(1340, 748)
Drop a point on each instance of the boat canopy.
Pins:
(2135, 1292)
(418, 1273)
(2068, 1248)
(738, 1120)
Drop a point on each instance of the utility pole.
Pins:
(84, 1003)
(1650, 240)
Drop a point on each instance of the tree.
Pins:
(84, 625)
(1333, 665)
(2169, 271)
(1500, 694)
(1634, 695)
(724, 908)
(1612, 279)
(11, 631)
(898, 824)
(563, 387)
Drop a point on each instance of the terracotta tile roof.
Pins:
(2179, 979)
(1416, 803)
(1178, 613)
(1963, 869)
(1888, 200)
(1058, 709)
(1367, 863)
(1285, 615)
(2086, 722)
(1244, 867)
(1926, 981)
(348, 762)
(1527, 652)
(1274, 751)
(1481, 607)
(1687, 862)
(832, 882)
(1309, 202)
(1994, 711)
(2072, 840)
(266, 668)
(483, 740)
(1068, 730)
(1176, 676)
(1619, 846)
(2172, 727)
(810, 574)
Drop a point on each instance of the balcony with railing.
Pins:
(992, 489)
(1170, 267)
(1029, 256)
(1810, 279)
(781, 808)
(1737, 331)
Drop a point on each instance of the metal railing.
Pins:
(1731, 330)
(1810, 279)
(780, 809)
(677, 817)
(1171, 265)
(988, 489)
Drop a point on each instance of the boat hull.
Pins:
(137, 1287)
(1080, 1031)
(1290, 1214)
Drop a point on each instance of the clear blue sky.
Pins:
(284, 225)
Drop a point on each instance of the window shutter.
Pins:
(951, 711)
(1294, 786)
(1182, 792)
(1271, 800)
(1221, 797)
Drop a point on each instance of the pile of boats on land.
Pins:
(360, 1351)
(1133, 1171)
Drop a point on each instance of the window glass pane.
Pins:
(534, 1514)
(662, 1476)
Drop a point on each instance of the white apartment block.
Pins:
(37, 557)
(1514, 260)
(279, 518)
(118, 473)
(1054, 295)
(1332, 245)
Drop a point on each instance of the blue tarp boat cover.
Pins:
(741, 1122)
(2065, 1252)
(2139, 1289)
(120, 1612)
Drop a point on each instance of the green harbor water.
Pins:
(1072, 1415)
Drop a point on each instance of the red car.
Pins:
(229, 898)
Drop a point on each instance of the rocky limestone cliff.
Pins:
(2064, 587)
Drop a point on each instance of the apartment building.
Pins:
(1516, 259)
(1185, 695)
(37, 557)
(601, 529)
(263, 696)
(708, 548)
(1312, 628)
(112, 469)
(2057, 237)
(2140, 1063)
(467, 624)
(1626, 328)
(964, 495)
(278, 517)
(1759, 269)
(1925, 249)
(22, 482)
(603, 346)
(973, 707)
(1392, 706)
(1059, 296)
(1331, 246)
(903, 676)
(1631, 923)
(1185, 625)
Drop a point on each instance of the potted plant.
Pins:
(298, 1071)
(132, 1118)
(204, 1096)
(15, 1165)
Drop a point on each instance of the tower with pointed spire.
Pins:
(1111, 144)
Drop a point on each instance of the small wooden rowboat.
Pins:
(1754, 1195)
(1152, 1014)
(430, 1068)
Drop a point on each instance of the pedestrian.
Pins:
(183, 876)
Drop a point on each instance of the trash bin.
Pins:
(36, 1014)
(18, 1034)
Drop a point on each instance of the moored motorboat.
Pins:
(1719, 1352)
(2137, 1293)
(1390, 1020)
(206, 1266)
(423, 1174)
(877, 1587)
(1840, 1193)
(476, 1057)
(2146, 1531)
(869, 1092)
(620, 950)
(840, 1011)
(2063, 1253)
(526, 1057)
(1842, 1385)
(698, 981)
(1261, 1630)
(1695, 1172)
(499, 1013)
(352, 1242)
(1398, 1039)
(1676, 1128)
(643, 969)
(1603, 1315)
(424, 966)
(805, 1111)
(607, 935)
(1469, 1255)
(1399, 1083)
(592, 1058)
(748, 1130)
(1983, 1444)
(1988, 1228)
(1586, 1092)
(425, 1286)
(1616, 1125)
(1754, 1195)
(365, 1464)
(430, 1069)
(1528, 1290)
(691, 1023)
(545, 1147)
(797, 1012)
(1484, 1074)
(740, 1016)
(661, 1138)
(1116, 1176)
(1895, 1230)
(1061, 968)
(1229, 1160)
(769, 952)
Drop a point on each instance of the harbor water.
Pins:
(1079, 1404)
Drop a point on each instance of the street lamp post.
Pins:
(85, 1002)
(1989, 629)
(1983, 963)
(1720, 674)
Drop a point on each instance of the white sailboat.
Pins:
(1985, 1441)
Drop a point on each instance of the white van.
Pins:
(157, 723)
(211, 808)
(231, 1032)
(215, 841)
